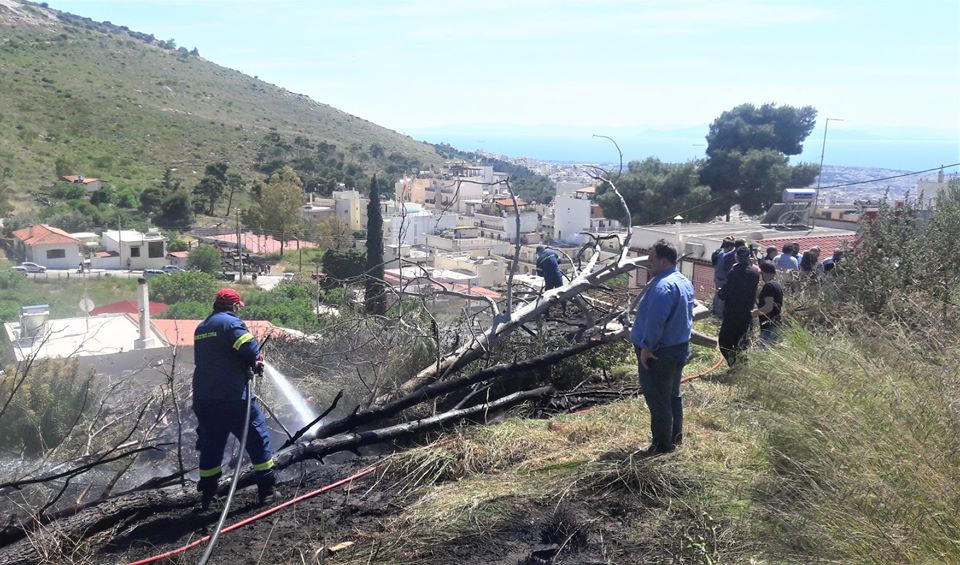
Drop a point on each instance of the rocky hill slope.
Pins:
(84, 97)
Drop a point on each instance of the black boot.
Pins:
(265, 490)
(208, 491)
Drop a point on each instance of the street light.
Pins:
(823, 150)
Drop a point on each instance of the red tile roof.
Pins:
(260, 244)
(128, 307)
(508, 202)
(588, 190)
(75, 178)
(826, 243)
(42, 234)
(179, 254)
(180, 332)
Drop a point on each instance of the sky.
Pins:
(552, 70)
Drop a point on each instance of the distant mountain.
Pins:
(105, 101)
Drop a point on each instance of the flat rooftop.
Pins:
(73, 337)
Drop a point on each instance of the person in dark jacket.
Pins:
(548, 267)
(225, 357)
(739, 296)
(719, 274)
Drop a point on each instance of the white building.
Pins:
(576, 212)
(486, 271)
(130, 249)
(48, 246)
(409, 223)
(497, 220)
(463, 184)
(350, 208)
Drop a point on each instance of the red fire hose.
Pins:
(256, 517)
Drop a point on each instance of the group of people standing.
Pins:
(737, 277)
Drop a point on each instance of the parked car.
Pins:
(19, 269)
(173, 269)
(150, 273)
(33, 267)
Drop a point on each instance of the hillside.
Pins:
(107, 102)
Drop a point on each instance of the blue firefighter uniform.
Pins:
(548, 266)
(225, 354)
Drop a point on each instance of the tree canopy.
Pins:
(655, 191)
(748, 150)
(278, 207)
(204, 258)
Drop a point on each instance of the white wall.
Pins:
(571, 216)
(70, 260)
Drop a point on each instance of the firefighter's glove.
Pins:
(258, 365)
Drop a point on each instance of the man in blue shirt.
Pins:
(661, 337)
(225, 356)
(786, 261)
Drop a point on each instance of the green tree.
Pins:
(63, 166)
(278, 210)
(175, 210)
(204, 258)
(6, 207)
(150, 199)
(189, 286)
(210, 188)
(374, 298)
(655, 191)
(748, 150)
(343, 264)
(235, 184)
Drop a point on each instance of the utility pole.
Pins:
(239, 244)
(823, 150)
(119, 243)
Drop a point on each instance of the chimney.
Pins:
(145, 341)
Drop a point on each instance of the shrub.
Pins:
(343, 264)
(189, 286)
(47, 403)
(204, 258)
(190, 310)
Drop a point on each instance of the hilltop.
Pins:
(92, 98)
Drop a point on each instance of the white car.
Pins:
(150, 273)
(172, 269)
(19, 269)
(33, 267)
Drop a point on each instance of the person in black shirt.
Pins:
(738, 295)
(769, 303)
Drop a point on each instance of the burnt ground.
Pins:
(361, 512)
(287, 536)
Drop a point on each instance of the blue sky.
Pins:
(430, 67)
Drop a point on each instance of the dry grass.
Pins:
(524, 481)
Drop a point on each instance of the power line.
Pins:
(892, 177)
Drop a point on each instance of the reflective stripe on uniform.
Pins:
(204, 473)
(241, 340)
(198, 337)
(267, 465)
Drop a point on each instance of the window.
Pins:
(134, 251)
(155, 249)
(56, 253)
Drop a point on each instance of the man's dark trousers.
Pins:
(734, 335)
(661, 389)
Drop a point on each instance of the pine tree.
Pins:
(374, 298)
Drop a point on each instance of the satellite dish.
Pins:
(86, 305)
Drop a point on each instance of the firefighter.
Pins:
(226, 357)
(548, 267)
